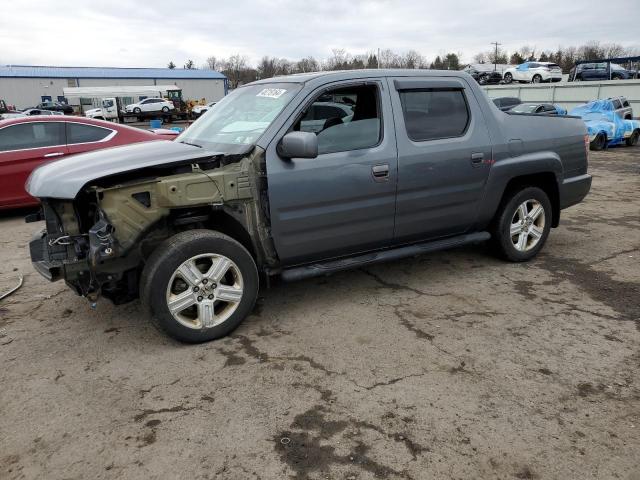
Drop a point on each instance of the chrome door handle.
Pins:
(54, 154)
(380, 171)
(477, 158)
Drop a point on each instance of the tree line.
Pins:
(565, 57)
(239, 70)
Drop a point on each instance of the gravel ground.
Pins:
(451, 365)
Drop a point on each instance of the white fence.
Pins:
(570, 94)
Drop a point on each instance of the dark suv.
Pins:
(56, 107)
(599, 71)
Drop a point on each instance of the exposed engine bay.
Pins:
(98, 242)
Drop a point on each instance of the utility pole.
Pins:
(495, 57)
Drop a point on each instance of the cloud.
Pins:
(150, 34)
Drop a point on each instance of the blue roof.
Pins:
(38, 71)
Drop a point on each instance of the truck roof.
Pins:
(337, 75)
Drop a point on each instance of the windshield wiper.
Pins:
(189, 143)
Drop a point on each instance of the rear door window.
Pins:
(430, 114)
(30, 135)
(83, 133)
(625, 103)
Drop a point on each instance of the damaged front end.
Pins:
(99, 241)
(66, 250)
(62, 250)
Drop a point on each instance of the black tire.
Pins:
(632, 141)
(508, 77)
(599, 142)
(137, 110)
(482, 80)
(500, 230)
(164, 261)
(165, 109)
(536, 79)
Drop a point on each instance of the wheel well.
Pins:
(545, 181)
(224, 223)
(180, 220)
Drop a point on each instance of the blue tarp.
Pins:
(600, 117)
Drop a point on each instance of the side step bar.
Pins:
(331, 266)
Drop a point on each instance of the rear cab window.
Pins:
(22, 136)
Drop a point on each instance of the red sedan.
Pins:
(26, 143)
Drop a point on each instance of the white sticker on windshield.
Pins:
(271, 92)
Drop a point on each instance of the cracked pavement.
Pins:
(449, 365)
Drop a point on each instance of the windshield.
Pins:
(238, 120)
(525, 108)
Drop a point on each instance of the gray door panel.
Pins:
(333, 205)
(440, 182)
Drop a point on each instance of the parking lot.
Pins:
(450, 365)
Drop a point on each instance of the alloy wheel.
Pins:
(204, 291)
(527, 225)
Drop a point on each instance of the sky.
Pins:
(127, 33)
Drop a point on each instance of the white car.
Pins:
(150, 105)
(200, 109)
(533, 72)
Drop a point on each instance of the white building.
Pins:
(25, 86)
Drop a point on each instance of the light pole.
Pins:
(495, 57)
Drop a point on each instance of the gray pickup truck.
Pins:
(298, 176)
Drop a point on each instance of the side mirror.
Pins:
(299, 145)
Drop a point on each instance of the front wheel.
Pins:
(522, 224)
(137, 110)
(633, 139)
(536, 78)
(508, 78)
(165, 109)
(199, 285)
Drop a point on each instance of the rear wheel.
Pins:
(165, 109)
(633, 139)
(199, 285)
(522, 224)
(536, 78)
(599, 142)
(508, 78)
